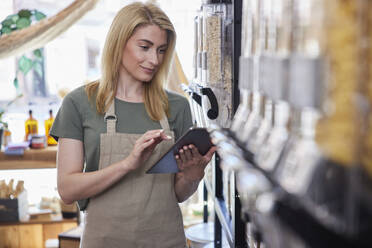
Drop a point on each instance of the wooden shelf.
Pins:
(33, 234)
(31, 159)
(74, 233)
(71, 238)
(53, 220)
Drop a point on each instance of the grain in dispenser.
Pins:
(217, 63)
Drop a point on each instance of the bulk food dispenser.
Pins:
(233, 157)
(194, 88)
(307, 170)
(218, 43)
(245, 71)
(309, 182)
(317, 169)
(258, 36)
(217, 63)
(260, 128)
(274, 73)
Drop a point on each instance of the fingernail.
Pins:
(168, 137)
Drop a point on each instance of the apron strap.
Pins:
(164, 123)
(111, 118)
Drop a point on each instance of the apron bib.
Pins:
(140, 210)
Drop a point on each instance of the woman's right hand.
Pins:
(74, 184)
(144, 147)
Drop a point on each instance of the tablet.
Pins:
(196, 136)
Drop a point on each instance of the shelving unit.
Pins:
(33, 233)
(31, 159)
(225, 226)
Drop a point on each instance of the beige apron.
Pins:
(141, 210)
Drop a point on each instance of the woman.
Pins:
(114, 129)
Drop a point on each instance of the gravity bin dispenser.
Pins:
(217, 41)
(194, 89)
(302, 158)
(216, 63)
(212, 84)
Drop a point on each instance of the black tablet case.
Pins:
(196, 136)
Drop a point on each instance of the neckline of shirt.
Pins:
(126, 102)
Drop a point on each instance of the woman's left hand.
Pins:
(191, 163)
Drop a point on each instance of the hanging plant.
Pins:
(23, 19)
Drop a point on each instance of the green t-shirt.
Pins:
(78, 119)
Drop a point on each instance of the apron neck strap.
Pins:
(111, 120)
(164, 123)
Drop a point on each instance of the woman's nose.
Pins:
(153, 58)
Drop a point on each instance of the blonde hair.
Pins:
(123, 26)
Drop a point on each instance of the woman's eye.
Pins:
(162, 51)
(144, 47)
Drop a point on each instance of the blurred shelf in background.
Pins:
(31, 159)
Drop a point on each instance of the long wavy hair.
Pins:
(123, 26)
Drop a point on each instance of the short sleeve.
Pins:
(184, 120)
(68, 121)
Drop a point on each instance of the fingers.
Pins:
(146, 144)
(179, 162)
(152, 134)
(155, 138)
(182, 156)
(210, 153)
(187, 153)
(158, 134)
(189, 156)
(164, 136)
(194, 151)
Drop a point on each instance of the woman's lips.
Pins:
(148, 70)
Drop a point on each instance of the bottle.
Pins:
(6, 136)
(48, 125)
(31, 126)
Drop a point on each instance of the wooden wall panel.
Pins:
(68, 226)
(31, 236)
(9, 236)
(51, 230)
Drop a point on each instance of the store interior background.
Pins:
(71, 60)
